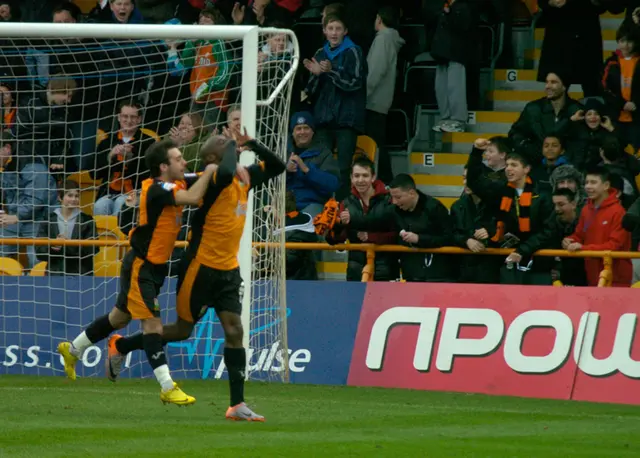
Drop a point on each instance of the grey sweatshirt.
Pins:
(382, 61)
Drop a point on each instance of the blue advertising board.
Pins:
(36, 313)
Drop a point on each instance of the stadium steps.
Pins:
(439, 172)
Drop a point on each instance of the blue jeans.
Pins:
(30, 194)
(109, 205)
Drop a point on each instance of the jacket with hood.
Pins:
(69, 260)
(320, 182)
(386, 264)
(430, 220)
(600, 229)
(382, 61)
(339, 96)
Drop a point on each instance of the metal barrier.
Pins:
(606, 276)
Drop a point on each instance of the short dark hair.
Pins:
(628, 32)
(68, 186)
(333, 18)
(290, 202)
(565, 192)
(74, 10)
(611, 148)
(502, 143)
(403, 181)
(364, 162)
(129, 103)
(390, 16)
(599, 171)
(521, 158)
(158, 154)
(558, 137)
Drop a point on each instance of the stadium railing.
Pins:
(606, 275)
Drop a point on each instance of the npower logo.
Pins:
(508, 339)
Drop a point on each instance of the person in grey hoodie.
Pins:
(68, 222)
(382, 61)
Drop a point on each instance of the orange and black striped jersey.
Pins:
(159, 220)
(218, 224)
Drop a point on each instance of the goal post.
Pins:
(265, 96)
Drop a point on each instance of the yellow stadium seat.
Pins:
(107, 227)
(85, 5)
(636, 285)
(368, 146)
(87, 199)
(39, 270)
(106, 268)
(84, 179)
(9, 266)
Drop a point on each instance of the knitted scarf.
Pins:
(524, 204)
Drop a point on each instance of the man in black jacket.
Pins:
(68, 222)
(567, 206)
(420, 221)
(488, 180)
(473, 227)
(525, 222)
(549, 115)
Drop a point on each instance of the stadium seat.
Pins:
(107, 227)
(9, 266)
(87, 199)
(636, 285)
(106, 268)
(39, 270)
(368, 146)
(84, 179)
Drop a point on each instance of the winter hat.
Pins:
(566, 172)
(593, 103)
(302, 118)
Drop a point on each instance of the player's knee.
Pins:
(152, 326)
(183, 330)
(118, 318)
(233, 335)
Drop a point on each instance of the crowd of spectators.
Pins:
(560, 179)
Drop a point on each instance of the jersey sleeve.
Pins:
(257, 174)
(190, 179)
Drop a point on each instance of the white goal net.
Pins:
(80, 104)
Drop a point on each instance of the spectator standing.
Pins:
(120, 160)
(452, 49)
(600, 229)
(622, 84)
(485, 174)
(549, 115)
(312, 172)
(570, 271)
(366, 194)
(523, 223)
(568, 177)
(624, 165)
(338, 92)
(473, 227)
(553, 157)
(419, 221)
(68, 223)
(210, 68)
(573, 43)
(382, 61)
(8, 106)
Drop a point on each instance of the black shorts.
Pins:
(140, 283)
(201, 287)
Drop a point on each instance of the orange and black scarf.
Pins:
(523, 207)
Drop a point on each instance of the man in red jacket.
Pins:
(600, 229)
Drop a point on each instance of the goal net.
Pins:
(80, 104)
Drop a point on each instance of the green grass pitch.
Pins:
(52, 417)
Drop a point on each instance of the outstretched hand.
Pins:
(241, 138)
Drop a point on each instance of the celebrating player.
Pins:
(210, 275)
(144, 267)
